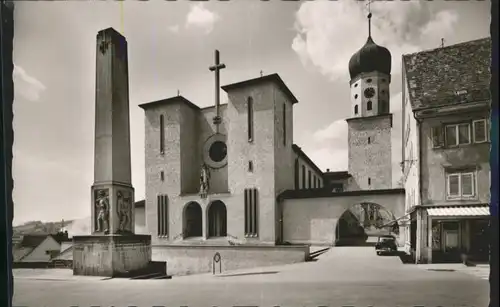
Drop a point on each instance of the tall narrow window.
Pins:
(251, 213)
(297, 169)
(162, 214)
(369, 181)
(303, 177)
(162, 134)
(284, 124)
(309, 185)
(250, 118)
(369, 105)
(356, 109)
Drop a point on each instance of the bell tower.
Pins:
(370, 121)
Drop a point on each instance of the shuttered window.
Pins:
(437, 137)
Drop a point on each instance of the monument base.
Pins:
(114, 256)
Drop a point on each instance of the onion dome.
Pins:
(371, 57)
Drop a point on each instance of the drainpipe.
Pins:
(418, 244)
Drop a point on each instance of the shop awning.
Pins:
(459, 211)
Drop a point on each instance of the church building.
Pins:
(230, 174)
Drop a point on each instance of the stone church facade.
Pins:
(245, 182)
(249, 161)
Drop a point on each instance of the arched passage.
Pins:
(193, 221)
(217, 219)
(362, 223)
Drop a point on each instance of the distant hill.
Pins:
(76, 227)
(39, 227)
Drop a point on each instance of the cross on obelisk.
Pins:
(217, 67)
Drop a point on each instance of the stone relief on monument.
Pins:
(124, 210)
(104, 46)
(102, 210)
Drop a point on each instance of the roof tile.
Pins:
(450, 75)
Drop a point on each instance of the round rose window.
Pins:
(217, 151)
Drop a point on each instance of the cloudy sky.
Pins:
(170, 48)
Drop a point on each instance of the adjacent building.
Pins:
(38, 250)
(446, 146)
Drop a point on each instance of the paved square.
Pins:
(344, 276)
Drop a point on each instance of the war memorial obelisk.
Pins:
(112, 249)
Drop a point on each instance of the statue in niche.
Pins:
(124, 208)
(204, 180)
(102, 207)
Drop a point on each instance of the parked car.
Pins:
(386, 244)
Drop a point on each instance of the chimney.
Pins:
(327, 170)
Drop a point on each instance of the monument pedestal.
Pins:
(114, 256)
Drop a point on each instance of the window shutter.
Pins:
(480, 130)
(437, 137)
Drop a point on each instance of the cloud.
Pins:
(201, 17)
(79, 227)
(336, 131)
(328, 146)
(174, 28)
(26, 85)
(402, 26)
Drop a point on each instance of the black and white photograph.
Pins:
(251, 153)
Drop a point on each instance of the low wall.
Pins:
(30, 265)
(185, 260)
(110, 255)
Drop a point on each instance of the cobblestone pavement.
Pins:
(344, 276)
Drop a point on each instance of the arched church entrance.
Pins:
(193, 221)
(361, 224)
(217, 219)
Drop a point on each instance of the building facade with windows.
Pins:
(306, 174)
(446, 107)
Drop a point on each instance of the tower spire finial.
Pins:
(369, 18)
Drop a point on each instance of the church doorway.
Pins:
(193, 222)
(217, 219)
(361, 224)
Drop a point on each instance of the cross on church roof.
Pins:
(216, 68)
(369, 5)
